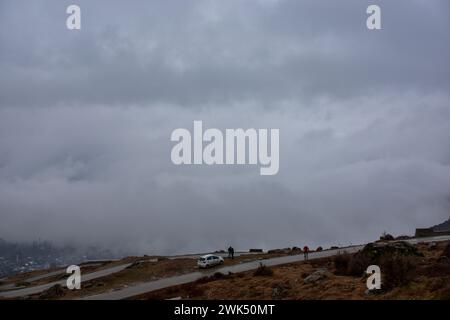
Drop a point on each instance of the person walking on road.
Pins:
(305, 252)
(231, 252)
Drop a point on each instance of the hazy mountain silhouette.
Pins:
(445, 226)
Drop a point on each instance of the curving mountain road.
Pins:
(37, 289)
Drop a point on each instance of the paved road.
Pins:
(191, 277)
(37, 289)
(63, 271)
(12, 286)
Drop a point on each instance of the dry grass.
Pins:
(285, 283)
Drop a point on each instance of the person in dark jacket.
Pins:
(231, 252)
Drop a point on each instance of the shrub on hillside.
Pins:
(263, 271)
(53, 292)
(438, 269)
(396, 270)
(193, 290)
(215, 276)
(446, 252)
(403, 237)
(358, 264)
(351, 265)
(341, 262)
(386, 237)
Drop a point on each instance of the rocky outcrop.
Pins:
(319, 274)
(378, 249)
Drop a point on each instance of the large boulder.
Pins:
(319, 274)
(280, 290)
(379, 249)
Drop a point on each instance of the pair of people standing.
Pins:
(231, 252)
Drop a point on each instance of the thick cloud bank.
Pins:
(86, 118)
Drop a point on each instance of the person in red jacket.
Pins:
(305, 252)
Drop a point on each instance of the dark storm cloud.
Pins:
(86, 117)
(191, 52)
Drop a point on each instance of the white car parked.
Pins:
(209, 260)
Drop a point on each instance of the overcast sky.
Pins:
(86, 118)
